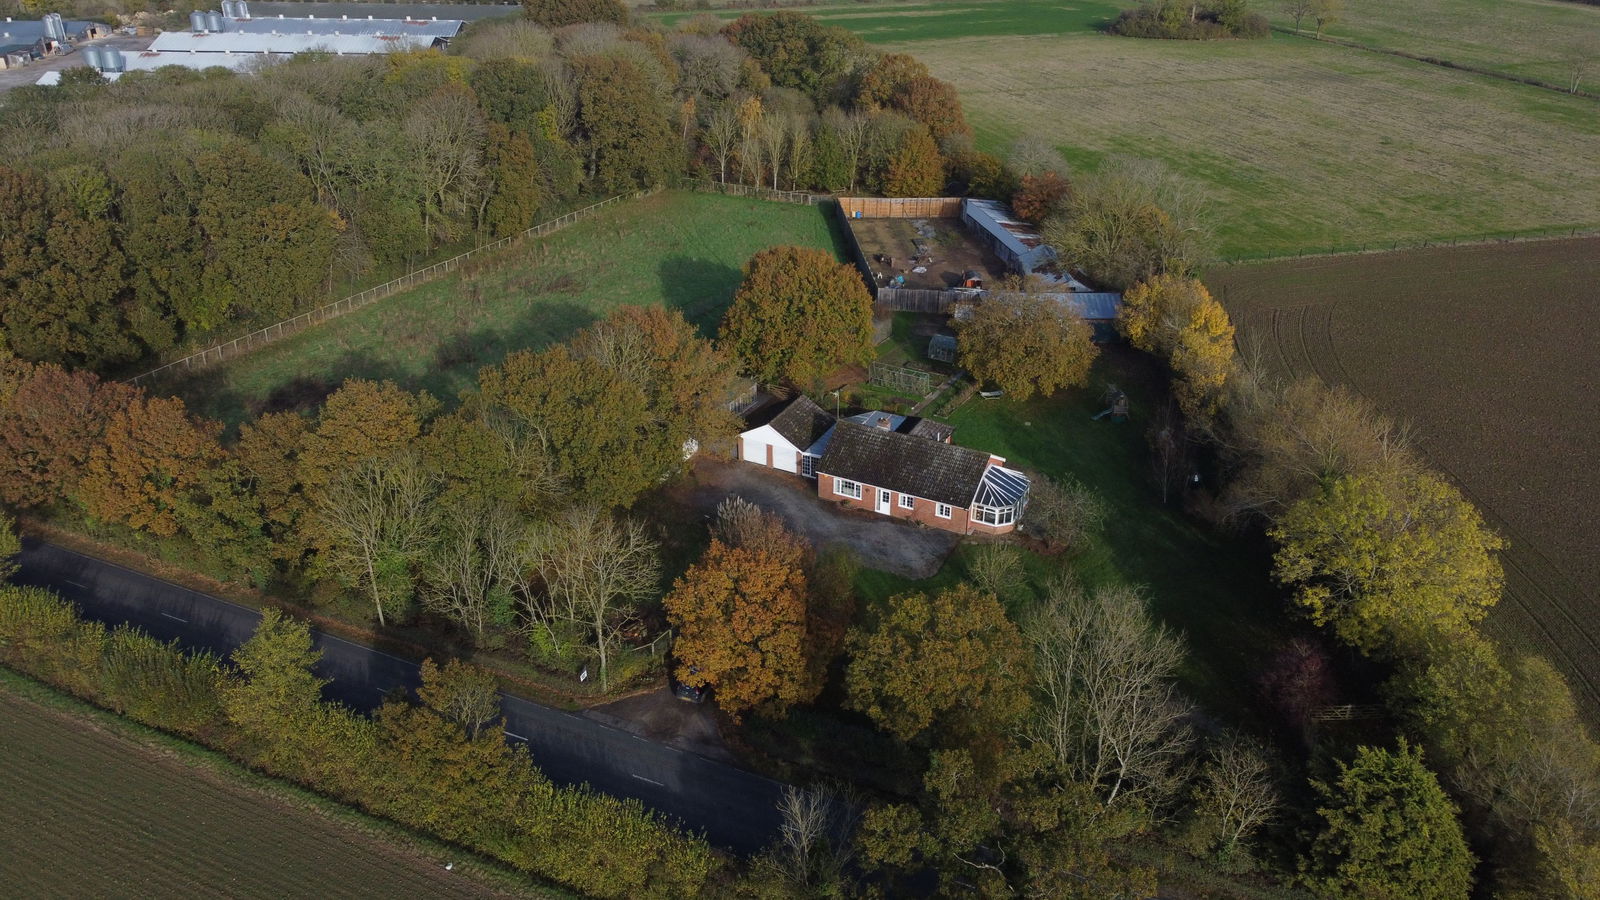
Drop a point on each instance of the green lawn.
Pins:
(684, 250)
(1211, 587)
(883, 23)
(1533, 38)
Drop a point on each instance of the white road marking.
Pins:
(175, 618)
(77, 585)
(650, 780)
(517, 736)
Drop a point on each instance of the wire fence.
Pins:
(913, 381)
(749, 190)
(216, 353)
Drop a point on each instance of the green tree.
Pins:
(463, 693)
(276, 696)
(1129, 221)
(624, 126)
(374, 522)
(797, 51)
(10, 546)
(953, 659)
(1027, 344)
(741, 619)
(1387, 564)
(1387, 830)
(560, 13)
(798, 316)
(512, 195)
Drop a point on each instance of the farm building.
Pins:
(24, 41)
(904, 467)
(873, 467)
(1016, 242)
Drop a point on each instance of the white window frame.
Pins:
(907, 501)
(943, 510)
(808, 465)
(844, 487)
(996, 515)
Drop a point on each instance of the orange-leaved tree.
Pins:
(741, 616)
(152, 456)
(50, 420)
(798, 316)
(1027, 344)
(915, 169)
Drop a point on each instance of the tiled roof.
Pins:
(933, 431)
(943, 473)
(802, 422)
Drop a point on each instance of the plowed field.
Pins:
(93, 813)
(1491, 354)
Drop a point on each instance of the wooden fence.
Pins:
(261, 337)
(746, 190)
(916, 382)
(917, 300)
(900, 207)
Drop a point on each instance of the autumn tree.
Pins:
(1387, 830)
(462, 693)
(1027, 344)
(1109, 710)
(51, 419)
(915, 169)
(1040, 196)
(268, 453)
(276, 694)
(1178, 319)
(741, 619)
(375, 522)
(511, 194)
(591, 572)
(361, 421)
(798, 316)
(935, 104)
(560, 13)
(153, 453)
(10, 546)
(953, 658)
(798, 51)
(1386, 564)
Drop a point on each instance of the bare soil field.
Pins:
(947, 251)
(90, 812)
(1298, 146)
(1490, 353)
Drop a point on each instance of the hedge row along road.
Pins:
(735, 809)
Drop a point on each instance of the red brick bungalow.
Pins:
(908, 476)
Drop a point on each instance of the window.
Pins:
(907, 501)
(846, 488)
(808, 465)
(996, 515)
(942, 510)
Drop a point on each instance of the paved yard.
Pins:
(880, 543)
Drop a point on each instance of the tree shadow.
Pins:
(699, 288)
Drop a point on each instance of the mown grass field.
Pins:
(1489, 353)
(1299, 146)
(683, 250)
(91, 811)
(1531, 38)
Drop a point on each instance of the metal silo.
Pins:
(91, 57)
(197, 22)
(214, 21)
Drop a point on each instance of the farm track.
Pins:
(1314, 313)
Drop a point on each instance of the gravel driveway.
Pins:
(879, 542)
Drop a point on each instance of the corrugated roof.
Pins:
(31, 30)
(134, 61)
(445, 28)
(1020, 237)
(943, 473)
(1094, 305)
(289, 42)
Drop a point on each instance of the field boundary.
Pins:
(1397, 246)
(1440, 62)
(296, 324)
(803, 198)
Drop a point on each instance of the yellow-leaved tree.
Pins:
(1027, 344)
(1386, 562)
(1177, 318)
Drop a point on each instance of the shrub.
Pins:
(1170, 20)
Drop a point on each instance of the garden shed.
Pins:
(1017, 243)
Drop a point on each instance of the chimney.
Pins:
(883, 422)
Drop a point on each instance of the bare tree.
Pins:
(997, 569)
(1325, 13)
(773, 134)
(708, 65)
(1299, 9)
(852, 130)
(377, 518)
(722, 136)
(1062, 513)
(446, 134)
(472, 561)
(1035, 154)
(814, 846)
(1584, 54)
(1110, 710)
(797, 139)
(463, 693)
(1236, 794)
(594, 571)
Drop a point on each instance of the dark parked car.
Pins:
(687, 691)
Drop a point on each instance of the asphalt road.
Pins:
(735, 809)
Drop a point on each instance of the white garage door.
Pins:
(785, 458)
(754, 450)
